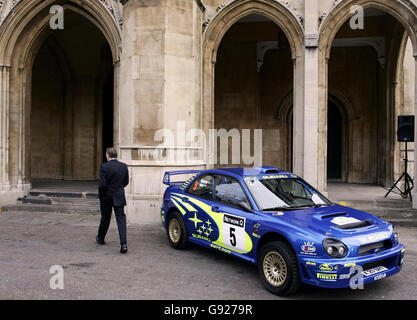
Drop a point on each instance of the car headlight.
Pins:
(335, 248)
(395, 237)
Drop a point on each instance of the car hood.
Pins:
(335, 221)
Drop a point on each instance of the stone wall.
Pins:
(169, 74)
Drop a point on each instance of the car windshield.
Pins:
(284, 193)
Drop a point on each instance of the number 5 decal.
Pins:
(232, 237)
(234, 232)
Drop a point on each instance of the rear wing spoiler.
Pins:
(167, 177)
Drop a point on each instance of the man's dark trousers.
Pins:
(114, 177)
(106, 207)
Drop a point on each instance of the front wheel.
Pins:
(278, 268)
(177, 232)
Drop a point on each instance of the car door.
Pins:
(199, 218)
(230, 200)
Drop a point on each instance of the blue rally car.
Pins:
(278, 221)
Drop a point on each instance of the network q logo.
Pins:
(57, 19)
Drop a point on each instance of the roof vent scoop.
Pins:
(269, 170)
(272, 171)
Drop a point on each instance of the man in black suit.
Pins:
(114, 177)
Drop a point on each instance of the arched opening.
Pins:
(71, 114)
(53, 81)
(339, 131)
(404, 102)
(254, 70)
(283, 29)
(362, 64)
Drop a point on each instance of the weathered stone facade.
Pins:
(122, 72)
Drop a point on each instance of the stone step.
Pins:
(57, 201)
(396, 216)
(389, 212)
(75, 201)
(379, 203)
(29, 207)
(43, 199)
(64, 194)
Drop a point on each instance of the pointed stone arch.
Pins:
(403, 11)
(24, 13)
(226, 17)
(22, 32)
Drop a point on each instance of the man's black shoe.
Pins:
(123, 248)
(99, 241)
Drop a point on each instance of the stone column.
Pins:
(21, 173)
(298, 117)
(4, 127)
(116, 119)
(414, 191)
(309, 168)
(159, 97)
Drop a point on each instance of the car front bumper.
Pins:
(351, 272)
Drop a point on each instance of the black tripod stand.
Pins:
(408, 184)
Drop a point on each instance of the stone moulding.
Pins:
(110, 5)
(225, 5)
(405, 11)
(201, 5)
(408, 3)
(378, 43)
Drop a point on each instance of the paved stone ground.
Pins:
(32, 242)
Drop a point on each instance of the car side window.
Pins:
(228, 191)
(202, 187)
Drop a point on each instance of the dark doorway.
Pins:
(71, 101)
(334, 142)
(249, 83)
(107, 132)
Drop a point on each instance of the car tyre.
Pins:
(278, 268)
(177, 231)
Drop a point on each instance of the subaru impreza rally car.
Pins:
(278, 221)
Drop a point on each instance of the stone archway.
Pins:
(402, 11)
(221, 23)
(404, 97)
(21, 35)
(284, 113)
(346, 110)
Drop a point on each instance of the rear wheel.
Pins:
(176, 231)
(278, 268)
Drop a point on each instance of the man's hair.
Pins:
(111, 152)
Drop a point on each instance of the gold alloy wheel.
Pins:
(174, 230)
(275, 269)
